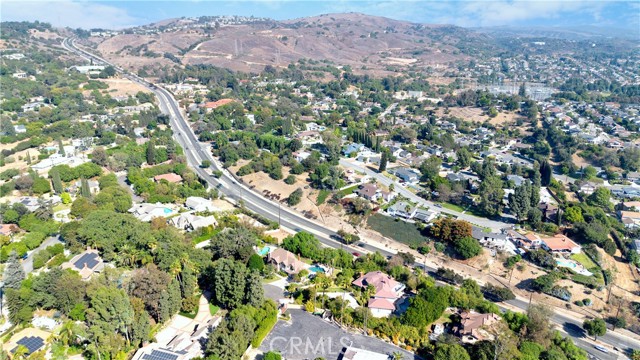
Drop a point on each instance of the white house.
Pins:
(147, 212)
(189, 221)
(199, 204)
(403, 209)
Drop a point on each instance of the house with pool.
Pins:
(286, 261)
(560, 244)
(146, 212)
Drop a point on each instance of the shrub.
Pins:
(291, 179)
(295, 197)
(497, 294)
(255, 262)
(190, 304)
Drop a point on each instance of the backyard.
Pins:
(583, 259)
(401, 231)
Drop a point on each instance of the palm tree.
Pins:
(397, 355)
(67, 333)
(20, 353)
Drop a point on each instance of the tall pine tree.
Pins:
(84, 188)
(545, 173)
(151, 153)
(57, 183)
(384, 159)
(13, 272)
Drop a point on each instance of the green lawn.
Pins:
(322, 196)
(398, 230)
(583, 259)
(213, 309)
(453, 207)
(191, 315)
(347, 191)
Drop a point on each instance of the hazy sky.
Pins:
(118, 14)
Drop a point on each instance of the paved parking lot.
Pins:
(307, 336)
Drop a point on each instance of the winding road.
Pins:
(234, 190)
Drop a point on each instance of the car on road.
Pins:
(356, 254)
(362, 244)
(437, 205)
(601, 348)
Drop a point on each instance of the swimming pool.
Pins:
(167, 210)
(316, 269)
(566, 263)
(264, 251)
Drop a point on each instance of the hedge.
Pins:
(264, 328)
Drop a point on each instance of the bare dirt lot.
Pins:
(476, 115)
(123, 87)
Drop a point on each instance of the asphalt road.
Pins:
(238, 192)
(27, 264)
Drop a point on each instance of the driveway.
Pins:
(273, 292)
(27, 264)
(122, 181)
(307, 336)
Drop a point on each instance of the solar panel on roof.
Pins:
(32, 343)
(90, 259)
(159, 355)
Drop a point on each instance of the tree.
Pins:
(463, 157)
(539, 325)
(545, 173)
(170, 301)
(84, 188)
(573, 214)
(236, 243)
(255, 263)
(60, 147)
(430, 168)
(596, 327)
(140, 327)
(148, 284)
(229, 283)
(589, 173)
(99, 156)
(254, 293)
(151, 152)
(450, 352)
(205, 164)
(468, 247)
(13, 272)
(600, 198)
(66, 198)
(57, 183)
(295, 197)
(384, 159)
(520, 201)
(271, 355)
(491, 195)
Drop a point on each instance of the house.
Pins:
(189, 221)
(631, 205)
(403, 209)
(588, 188)
(86, 263)
(170, 177)
(387, 196)
(625, 192)
(368, 191)
(633, 176)
(405, 174)
(529, 241)
(31, 203)
(89, 69)
(387, 292)
(286, 261)
(31, 338)
(425, 215)
(8, 229)
(183, 346)
(301, 155)
(630, 219)
(353, 148)
(146, 212)
(312, 126)
(351, 353)
(560, 244)
(516, 179)
(549, 211)
(200, 204)
(20, 129)
(476, 327)
(58, 159)
(496, 241)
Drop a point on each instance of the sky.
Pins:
(89, 14)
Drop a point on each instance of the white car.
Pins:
(601, 348)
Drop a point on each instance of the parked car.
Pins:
(601, 348)
(356, 254)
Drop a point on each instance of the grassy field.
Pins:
(347, 191)
(213, 309)
(322, 196)
(452, 207)
(584, 260)
(398, 230)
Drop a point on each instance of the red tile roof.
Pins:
(381, 304)
(170, 177)
(559, 242)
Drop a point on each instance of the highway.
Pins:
(196, 152)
